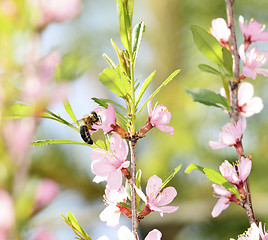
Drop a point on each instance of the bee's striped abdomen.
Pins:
(85, 134)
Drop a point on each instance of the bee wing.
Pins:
(79, 122)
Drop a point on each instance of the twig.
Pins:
(135, 221)
(233, 82)
(247, 205)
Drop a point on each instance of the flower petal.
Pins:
(166, 196)
(153, 187)
(244, 168)
(114, 180)
(245, 93)
(221, 205)
(154, 235)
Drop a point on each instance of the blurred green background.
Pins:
(167, 45)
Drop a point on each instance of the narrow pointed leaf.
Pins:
(56, 141)
(144, 86)
(171, 175)
(171, 77)
(207, 97)
(208, 45)
(217, 178)
(110, 61)
(209, 69)
(125, 24)
(136, 38)
(69, 110)
(192, 167)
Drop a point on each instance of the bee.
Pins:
(86, 124)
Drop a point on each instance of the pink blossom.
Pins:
(108, 118)
(253, 233)
(230, 173)
(253, 60)
(156, 200)
(107, 165)
(124, 233)
(252, 31)
(247, 104)
(154, 235)
(46, 192)
(58, 11)
(159, 117)
(230, 135)
(111, 213)
(220, 31)
(223, 202)
(7, 213)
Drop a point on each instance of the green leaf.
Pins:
(19, 111)
(144, 86)
(69, 110)
(56, 141)
(174, 74)
(136, 38)
(116, 81)
(78, 230)
(125, 205)
(110, 61)
(208, 45)
(171, 175)
(228, 60)
(209, 69)
(217, 178)
(121, 56)
(192, 167)
(125, 23)
(207, 97)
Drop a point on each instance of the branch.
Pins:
(236, 60)
(135, 221)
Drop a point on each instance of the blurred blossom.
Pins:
(230, 135)
(156, 199)
(220, 31)
(59, 10)
(7, 213)
(40, 89)
(107, 165)
(253, 60)
(111, 213)
(43, 234)
(46, 191)
(17, 136)
(108, 118)
(8, 7)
